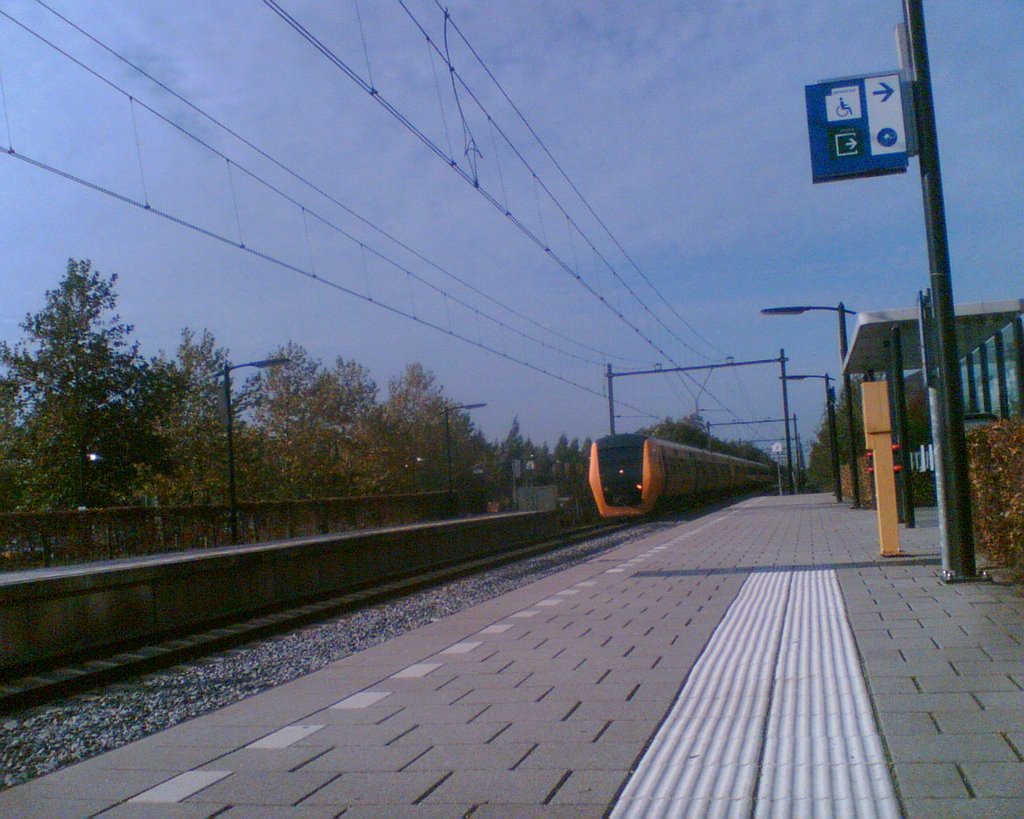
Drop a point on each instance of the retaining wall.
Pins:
(49, 614)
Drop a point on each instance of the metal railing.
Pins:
(35, 540)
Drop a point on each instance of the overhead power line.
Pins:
(267, 257)
(304, 180)
(565, 175)
(291, 172)
(446, 57)
(434, 148)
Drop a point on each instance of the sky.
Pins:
(596, 183)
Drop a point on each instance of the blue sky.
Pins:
(682, 124)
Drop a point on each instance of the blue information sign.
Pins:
(856, 127)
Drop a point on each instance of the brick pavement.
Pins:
(542, 701)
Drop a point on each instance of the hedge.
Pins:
(997, 491)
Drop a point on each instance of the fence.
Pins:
(29, 540)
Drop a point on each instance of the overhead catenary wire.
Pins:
(241, 244)
(542, 241)
(267, 257)
(604, 355)
(434, 148)
(566, 176)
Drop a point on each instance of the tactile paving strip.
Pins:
(775, 718)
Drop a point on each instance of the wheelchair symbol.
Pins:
(843, 104)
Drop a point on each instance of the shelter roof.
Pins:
(975, 324)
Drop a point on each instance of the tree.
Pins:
(83, 398)
(194, 470)
(314, 422)
(411, 436)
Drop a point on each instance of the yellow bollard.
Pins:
(878, 438)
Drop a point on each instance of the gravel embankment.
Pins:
(39, 740)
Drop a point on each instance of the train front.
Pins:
(622, 475)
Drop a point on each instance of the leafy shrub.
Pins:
(997, 489)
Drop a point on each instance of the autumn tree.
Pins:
(194, 470)
(412, 435)
(82, 399)
(315, 423)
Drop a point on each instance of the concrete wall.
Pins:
(49, 614)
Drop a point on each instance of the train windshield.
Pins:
(621, 461)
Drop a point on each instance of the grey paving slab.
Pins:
(265, 788)
(377, 788)
(954, 748)
(931, 780)
(995, 779)
(525, 787)
(964, 808)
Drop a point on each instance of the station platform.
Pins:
(761, 660)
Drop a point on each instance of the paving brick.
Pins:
(932, 780)
(931, 703)
(898, 723)
(262, 788)
(964, 808)
(951, 748)
(597, 756)
(1006, 700)
(461, 757)
(1002, 779)
(366, 759)
(379, 788)
(981, 722)
(975, 682)
(512, 787)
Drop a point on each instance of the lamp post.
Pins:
(229, 422)
(448, 408)
(833, 438)
(841, 312)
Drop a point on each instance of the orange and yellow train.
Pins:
(630, 474)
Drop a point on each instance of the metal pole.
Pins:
(833, 439)
(899, 404)
(851, 425)
(785, 416)
(986, 382)
(972, 382)
(799, 455)
(611, 400)
(1018, 343)
(958, 495)
(927, 339)
(448, 448)
(229, 422)
(1001, 384)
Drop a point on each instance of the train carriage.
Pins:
(631, 474)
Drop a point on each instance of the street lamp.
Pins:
(842, 312)
(229, 423)
(448, 408)
(833, 438)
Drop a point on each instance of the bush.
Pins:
(997, 491)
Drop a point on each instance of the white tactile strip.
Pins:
(774, 720)
(497, 628)
(180, 787)
(285, 737)
(416, 670)
(364, 699)
(462, 648)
